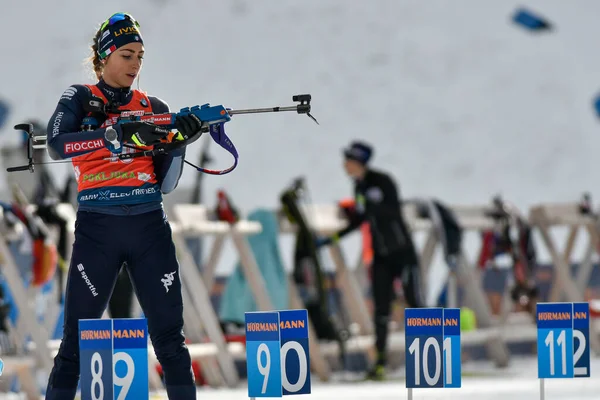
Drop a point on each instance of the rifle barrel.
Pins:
(262, 110)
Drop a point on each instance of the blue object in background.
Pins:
(531, 21)
(597, 105)
(237, 297)
(4, 112)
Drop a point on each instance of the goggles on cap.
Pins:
(117, 17)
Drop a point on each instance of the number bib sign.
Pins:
(263, 355)
(113, 359)
(277, 356)
(563, 340)
(432, 337)
(295, 361)
(581, 340)
(130, 358)
(95, 359)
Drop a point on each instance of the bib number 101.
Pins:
(432, 344)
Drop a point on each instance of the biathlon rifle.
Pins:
(213, 118)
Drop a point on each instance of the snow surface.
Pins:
(518, 382)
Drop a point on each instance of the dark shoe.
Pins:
(377, 373)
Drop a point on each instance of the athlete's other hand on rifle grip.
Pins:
(141, 133)
(188, 125)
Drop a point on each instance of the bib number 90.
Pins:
(265, 368)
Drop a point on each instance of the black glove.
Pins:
(189, 126)
(141, 133)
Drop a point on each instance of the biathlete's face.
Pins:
(353, 168)
(124, 65)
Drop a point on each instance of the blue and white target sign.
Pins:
(113, 359)
(432, 340)
(563, 332)
(277, 356)
(263, 355)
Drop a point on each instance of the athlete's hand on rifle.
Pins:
(189, 126)
(141, 133)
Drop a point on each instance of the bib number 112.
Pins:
(559, 341)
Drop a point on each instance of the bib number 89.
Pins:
(123, 382)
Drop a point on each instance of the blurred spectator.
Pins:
(394, 254)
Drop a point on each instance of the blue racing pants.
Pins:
(102, 244)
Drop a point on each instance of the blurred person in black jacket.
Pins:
(394, 254)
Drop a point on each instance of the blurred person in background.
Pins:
(394, 255)
(120, 217)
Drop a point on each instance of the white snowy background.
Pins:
(459, 103)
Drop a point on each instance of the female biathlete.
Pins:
(120, 218)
